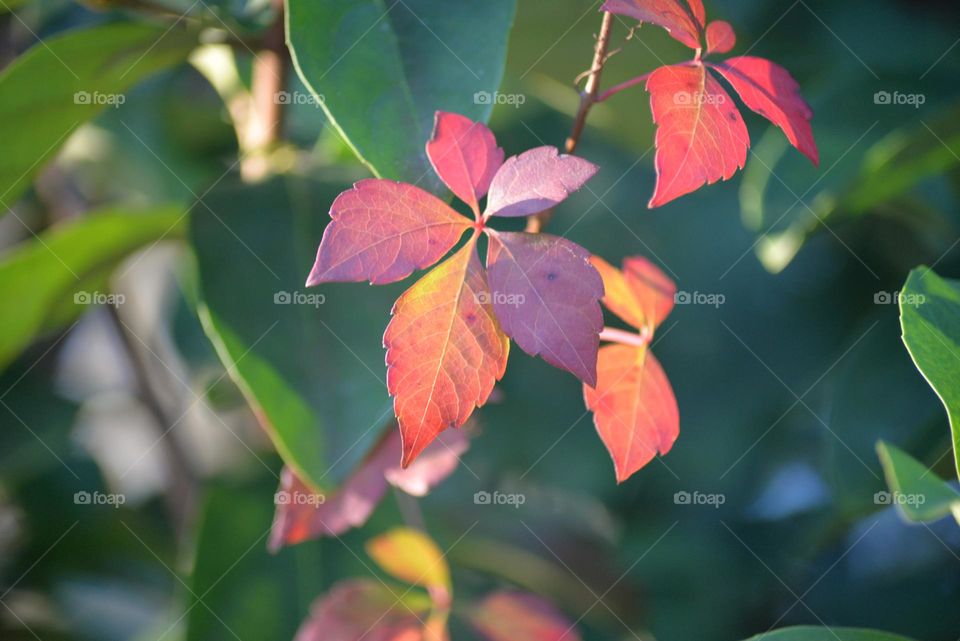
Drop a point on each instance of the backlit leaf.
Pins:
(917, 491)
(382, 231)
(536, 180)
(701, 137)
(465, 156)
(655, 293)
(683, 20)
(930, 317)
(303, 514)
(445, 350)
(634, 408)
(720, 37)
(518, 616)
(412, 557)
(618, 295)
(771, 91)
(546, 296)
(368, 610)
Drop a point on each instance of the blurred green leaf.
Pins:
(309, 361)
(49, 281)
(910, 478)
(930, 318)
(381, 72)
(68, 79)
(238, 588)
(811, 633)
(10, 5)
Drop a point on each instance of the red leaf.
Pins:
(302, 514)
(545, 294)
(364, 609)
(465, 156)
(641, 295)
(536, 180)
(518, 616)
(701, 137)
(720, 37)
(771, 91)
(683, 20)
(445, 350)
(634, 408)
(384, 230)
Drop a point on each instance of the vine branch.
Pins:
(588, 97)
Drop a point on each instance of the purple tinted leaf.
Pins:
(546, 295)
(536, 180)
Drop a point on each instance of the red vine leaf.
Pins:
(771, 91)
(701, 137)
(445, 350)
(536, 180)
(518, 616)
(546, 293)
(653, 291)
(302, 514)
(634, 408)
(683, 19)
(720, 37)
(465, 156)
(365, 609)
(382, 231)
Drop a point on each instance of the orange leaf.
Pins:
(518, 616)
(641, 294)
(445, 350)
(634, 408)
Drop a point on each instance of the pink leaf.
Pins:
(683, 20)
(445, 350)
(536, 180)
(634, 408)
(518, 616)
(302, 514)
(771, 91)
(720, 37)
(465, 156)
(701, 137)
(545, 294)
(364, 609)
(382, 231)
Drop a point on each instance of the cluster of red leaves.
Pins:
(374, 610)
(701, 137)
(448, 341)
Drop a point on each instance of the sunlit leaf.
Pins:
(519, 616)
(465, 156)
(720, 37)
(536, 180)
(368, 610)
(916, 490)
(412, 557)
(683, 19)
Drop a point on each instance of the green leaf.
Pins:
(309, 361)
(380, 70)
(812, 633)
(58, 84)
(49, 281)
(930, 318)
(919, 493)
(237, 587)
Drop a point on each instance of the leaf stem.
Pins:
(613, 335)
(588, 97)
(623, 85)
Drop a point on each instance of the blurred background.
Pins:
(787, 363)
